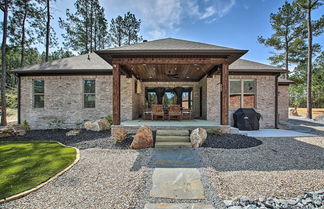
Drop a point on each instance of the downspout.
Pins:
(276, 100)
(19, 96)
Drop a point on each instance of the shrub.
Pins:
(26, 125)
(55, 124)
(109, 118)
(214, 132)
(11, 100)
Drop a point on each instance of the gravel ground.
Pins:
(231, 141)
(280, 167)
(305, 125)
(103, 178)
(83, 140)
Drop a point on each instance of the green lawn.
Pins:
(24, 165)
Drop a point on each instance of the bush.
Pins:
(109, 118)
(11, 100)
(26, 125)
(214, 132)
(55, 124)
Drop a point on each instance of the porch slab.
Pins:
(275, 133)
(167, 123)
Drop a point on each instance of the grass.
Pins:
(316, 111)
(24, 165)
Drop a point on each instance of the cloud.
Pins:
(160, 17)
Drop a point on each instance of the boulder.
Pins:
(97, 125)
(143, 138)
(119, 135)
(6, 131)
(198, 137)
(19, 130)
(73, 132)
(13, 130)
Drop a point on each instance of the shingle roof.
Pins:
(169, 44)
(242, 65)
(73, 64)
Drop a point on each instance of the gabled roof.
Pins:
(172, 47)
(242, 65)
(82, 63)
(169, 44)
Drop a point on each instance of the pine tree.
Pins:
(23, 25)
(132, 28)
(4, 6)
(86, 27)
(116, 31)
(308, 6)
(286, 39)
(125, 30)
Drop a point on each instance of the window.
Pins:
(89, 93)
(38, 93)
(242, 93)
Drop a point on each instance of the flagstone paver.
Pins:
(177, 183)
(178, 206)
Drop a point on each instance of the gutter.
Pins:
(19, 98)
(276, 101)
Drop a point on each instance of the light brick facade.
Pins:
(283, 102)
(64, 99)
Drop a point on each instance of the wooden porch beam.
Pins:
(126, 61)
(212, 71)
(116, 94)
(126, 72)
(224, 94)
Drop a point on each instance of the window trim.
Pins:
(242, 92)
(38, 94)
(84, 93)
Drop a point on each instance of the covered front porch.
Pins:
(201, 70)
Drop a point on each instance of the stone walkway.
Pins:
(176, 177)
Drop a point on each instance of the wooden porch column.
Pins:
(224, 94)
(116, 94)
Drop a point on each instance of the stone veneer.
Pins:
(64, 99)
(283, 102)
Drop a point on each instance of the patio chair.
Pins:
(186, 114)
(147, 114)
(175, 111)
(157, 110)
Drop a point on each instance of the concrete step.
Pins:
(172, 133)
(173, 145)
(162, 138)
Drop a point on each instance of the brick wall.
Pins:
(283, 102)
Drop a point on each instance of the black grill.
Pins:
(246, 119)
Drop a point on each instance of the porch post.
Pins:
(224, 94)
(116, 94)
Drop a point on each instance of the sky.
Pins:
(230, 23)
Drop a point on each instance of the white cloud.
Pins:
(160, 16)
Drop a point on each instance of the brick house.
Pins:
(122, 82)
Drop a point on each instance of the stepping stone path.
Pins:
(176, 177)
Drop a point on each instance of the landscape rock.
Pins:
(13, 130)
(73, 132)
(6, 131)
(119, 135)
(307, 200)
(198, 136)
(97, 125)
(143, 138)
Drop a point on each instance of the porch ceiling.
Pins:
(169, 72)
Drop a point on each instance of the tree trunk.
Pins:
(309, 63)
(23, 36)
(4, 65)
(48, 30)
(87, 28)
(286, 59)
(91, 25)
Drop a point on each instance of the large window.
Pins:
(38, 93)
(89, 93)
(242, 93)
